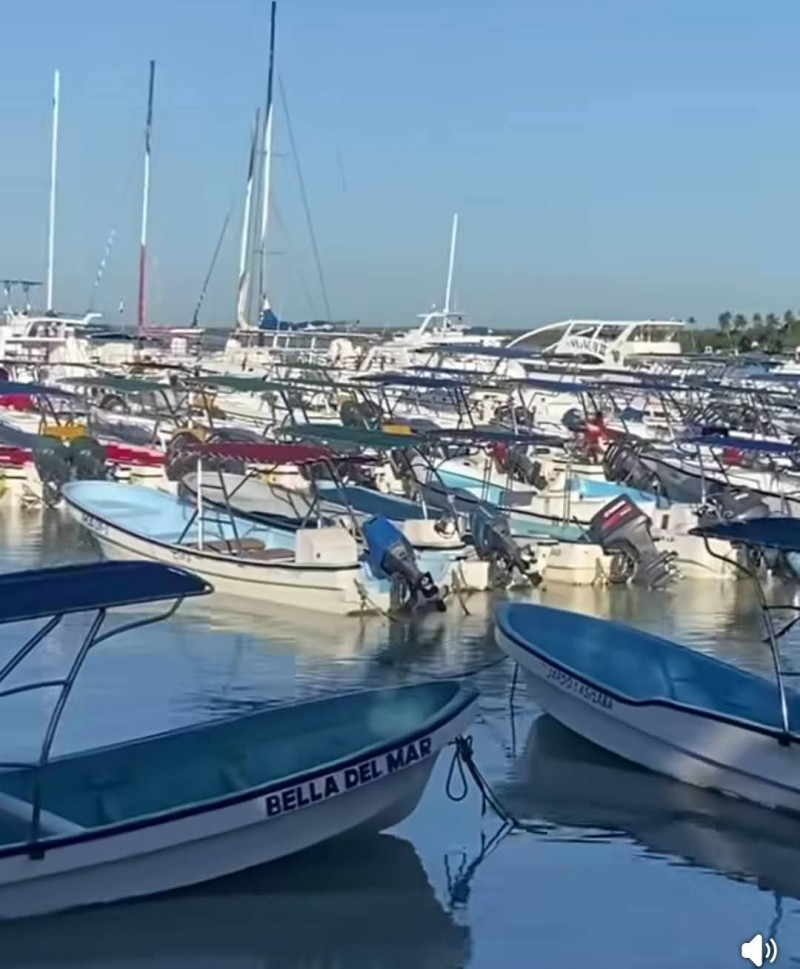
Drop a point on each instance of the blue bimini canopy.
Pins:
(779, 533)
(98, 585)
(406, 380)
(554, 384)
(741, 443)
(475, 350)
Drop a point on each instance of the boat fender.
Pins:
(390, 555)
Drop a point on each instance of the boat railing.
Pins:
(749, 533)
(65, 684)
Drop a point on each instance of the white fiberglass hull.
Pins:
(203, 845)
(322, 589)
(692, 747)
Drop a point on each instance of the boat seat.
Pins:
(272, 555)
(50, 825)
(228, 545)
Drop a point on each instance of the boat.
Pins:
(662, 705)
(185, 806)
(603, 341)
(321, 568)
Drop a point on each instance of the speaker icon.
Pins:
(758, 951)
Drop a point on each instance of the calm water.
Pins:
(626, 869)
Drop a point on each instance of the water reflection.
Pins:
(592, 795)
(318, 909)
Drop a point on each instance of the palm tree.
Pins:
(757, 319)
(788, 320)
(772, 321)
(739, 323)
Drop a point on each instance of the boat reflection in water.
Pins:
(355, 903)
(564, 780)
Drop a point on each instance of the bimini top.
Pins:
(255, 452)
(763, 445)
(122, 385)
(98, 585)
(355, 436)
(475, 350)
(779, 533)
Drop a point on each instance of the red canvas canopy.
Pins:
(257, 453)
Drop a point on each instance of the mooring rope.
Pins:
(463, 763)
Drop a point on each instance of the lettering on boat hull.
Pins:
(579, 688)
(338, 782)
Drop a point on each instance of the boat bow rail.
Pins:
(66, 590)
(781, 535)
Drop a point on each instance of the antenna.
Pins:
(140, 319)
(51, 232)
(449, 288)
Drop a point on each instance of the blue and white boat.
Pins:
(313, 568)
(660, 704)
(437, 534)
(190, 805)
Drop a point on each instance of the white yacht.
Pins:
(609, 342)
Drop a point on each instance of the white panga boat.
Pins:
(665, 706)
(318, 567)
(185, 806)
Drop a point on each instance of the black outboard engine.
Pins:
(88, 459)
(360, 413)
(51, 459)
(491, 536)
(623, 463)
(522, 467)
(391, 556)
(623, 530)
(732, 505)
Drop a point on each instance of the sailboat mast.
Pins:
(267, 164)
(449, 288)
(243, 284)
(140, 319)
(51, 230)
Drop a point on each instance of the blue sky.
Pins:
(619, 158)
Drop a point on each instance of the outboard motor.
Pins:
(52, 463)
(391, 556)
(623, 530)
(491, 536)
(623, 463)
(360, 413)
(519, 464)
(732, 505)
(88, 459)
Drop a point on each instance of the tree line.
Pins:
(769, 332)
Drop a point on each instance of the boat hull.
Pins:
(694, 748)
(336, 590)
(211, 843)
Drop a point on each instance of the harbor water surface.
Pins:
(615, 867)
